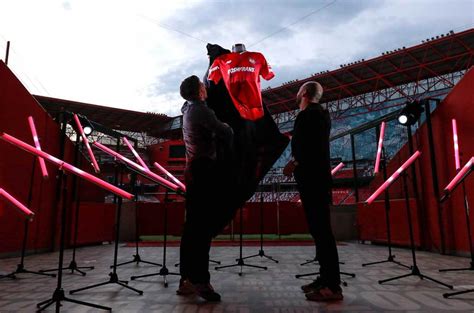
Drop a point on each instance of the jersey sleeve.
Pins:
(215, 72)
(266, 69)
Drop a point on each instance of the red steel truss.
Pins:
(405, 73)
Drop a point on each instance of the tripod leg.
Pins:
(11, 275)
(373, 263)
(38, 273)
(306, 275)
(436, 281)
(131, 288)
(215, 262)
(46, 304)
(456, 269)
(88, 304)
(394, 278)
(248, 257)
(146, 275)
(447, 295)
(79, 271)
(226, 266)
(270, 258)
(151, 263)
(348, 274)
(255, 266)
(88, 287)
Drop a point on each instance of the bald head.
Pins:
(309, 92)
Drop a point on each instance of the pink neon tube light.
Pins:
(392, 178)
(136, 166)
(86, 142)
(337, 168)
(22, 208)
(44, 171)
(457, 159)
(164, 171)
(66, 166)
(459, 176)
(379, 148)
(139, 159)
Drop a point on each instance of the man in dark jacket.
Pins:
(312, 171)
(202, 133)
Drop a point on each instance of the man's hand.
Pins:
(289, 168)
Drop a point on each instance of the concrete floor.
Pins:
(256, 291)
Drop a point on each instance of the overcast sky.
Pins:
(134, 54)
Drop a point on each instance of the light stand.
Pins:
(21, 266)
(113, 275)
(58, 295)
(466, 203)
(240, 260)
(459, 179)
(261, 253)
(391, 257)
(76, 184)
(164, 270)
(136, 257)
(415, 271)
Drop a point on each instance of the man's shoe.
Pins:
(185, 288)
(325, 294)
(315, 285)
(206, 292)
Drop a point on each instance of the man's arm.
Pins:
(212, 123)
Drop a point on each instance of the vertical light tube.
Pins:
(457, 159)
(44, 170)
(86, 143)
(379, 148)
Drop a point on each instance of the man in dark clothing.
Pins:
(201, 132)
(312, 171)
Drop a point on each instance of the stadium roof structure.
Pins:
(444, 54)
(113, 118)
(403, 73)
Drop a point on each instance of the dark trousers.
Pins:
(315, 196)
(202, 179)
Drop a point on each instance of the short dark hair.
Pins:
(189, 88)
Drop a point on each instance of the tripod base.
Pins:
(470, 268)
(261, 254)
(163, 272)
(390, 259)
(241, 263)
(59, 296)
(415, 272)
(137, 259)
(72, 267)
(21, 270)
(113, 280)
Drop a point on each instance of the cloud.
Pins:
(126, 54)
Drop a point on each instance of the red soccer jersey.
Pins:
(241, 73)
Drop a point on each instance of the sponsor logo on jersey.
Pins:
(251, 60)
(228, 62)
(241, 69)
